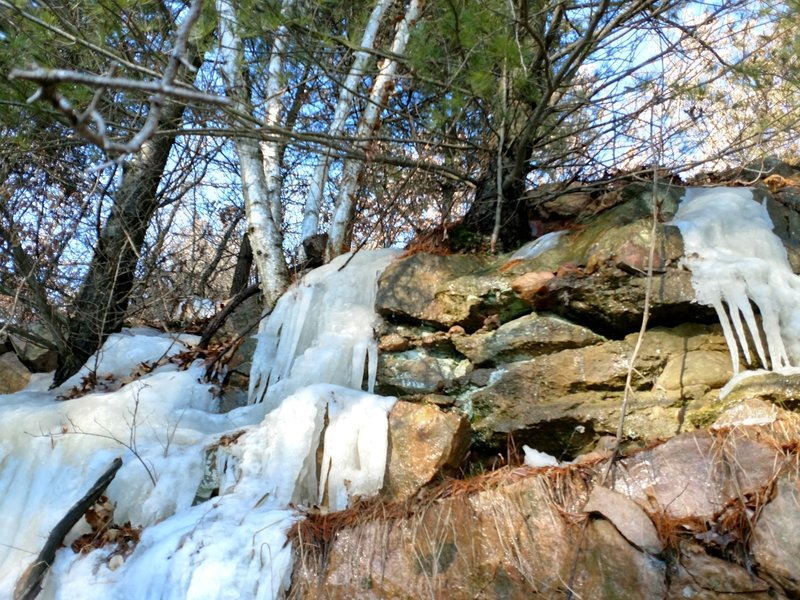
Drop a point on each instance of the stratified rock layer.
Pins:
(704, 515)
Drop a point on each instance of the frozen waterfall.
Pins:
(737, 262)
(311, 358)
(321, 330)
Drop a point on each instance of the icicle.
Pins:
(728, 333)
(321, 330)
(737, 261)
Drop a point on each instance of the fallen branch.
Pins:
(30, 582)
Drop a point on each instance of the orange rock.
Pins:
(529, 284)
(423, 440)
(393, 342)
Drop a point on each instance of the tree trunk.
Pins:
(514, 223)
(341, 230)
(102, 301)
(244, 262)
(259, 164)
(344, 104)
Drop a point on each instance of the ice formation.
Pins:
(538, 246)
(737, 261)
(321, 330)
(534, 458)
(232, 545)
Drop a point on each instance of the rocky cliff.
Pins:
(489, 355)
(495, 358)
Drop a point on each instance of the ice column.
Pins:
(321, 330)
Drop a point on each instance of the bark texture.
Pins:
(259, 163)
(514, 223)
(383, 86)
(344, 105)
(102, 302)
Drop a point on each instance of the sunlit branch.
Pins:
(90, 124)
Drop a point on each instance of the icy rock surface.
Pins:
(737, 261)
(538, 246)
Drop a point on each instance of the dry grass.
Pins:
(429, 523)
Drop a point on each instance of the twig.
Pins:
(637, 347)
(219, 319)
(648, 290)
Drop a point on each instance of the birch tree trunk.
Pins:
(342, 224)
(258, 163)
(344, 103)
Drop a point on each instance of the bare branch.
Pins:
(52, 77)
(90, 123)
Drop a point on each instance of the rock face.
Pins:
(488, 355)
(561, 402)
(676, 524)
(776, 536)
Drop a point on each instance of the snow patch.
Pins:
(534, 458)
(125, 350)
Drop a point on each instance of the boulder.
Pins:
(36, 358)
(611, 301)
(628, 517)
(524, 338)
(398, 337)
(242, 322)
(418, 371)
(497, 542)
(599, 238)
(769, 386)
(13, 374)
(422, 441)
(444, 291)
(596, 274)
(749, 399)
(702, 576)
(528, 285)
(612, 568)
